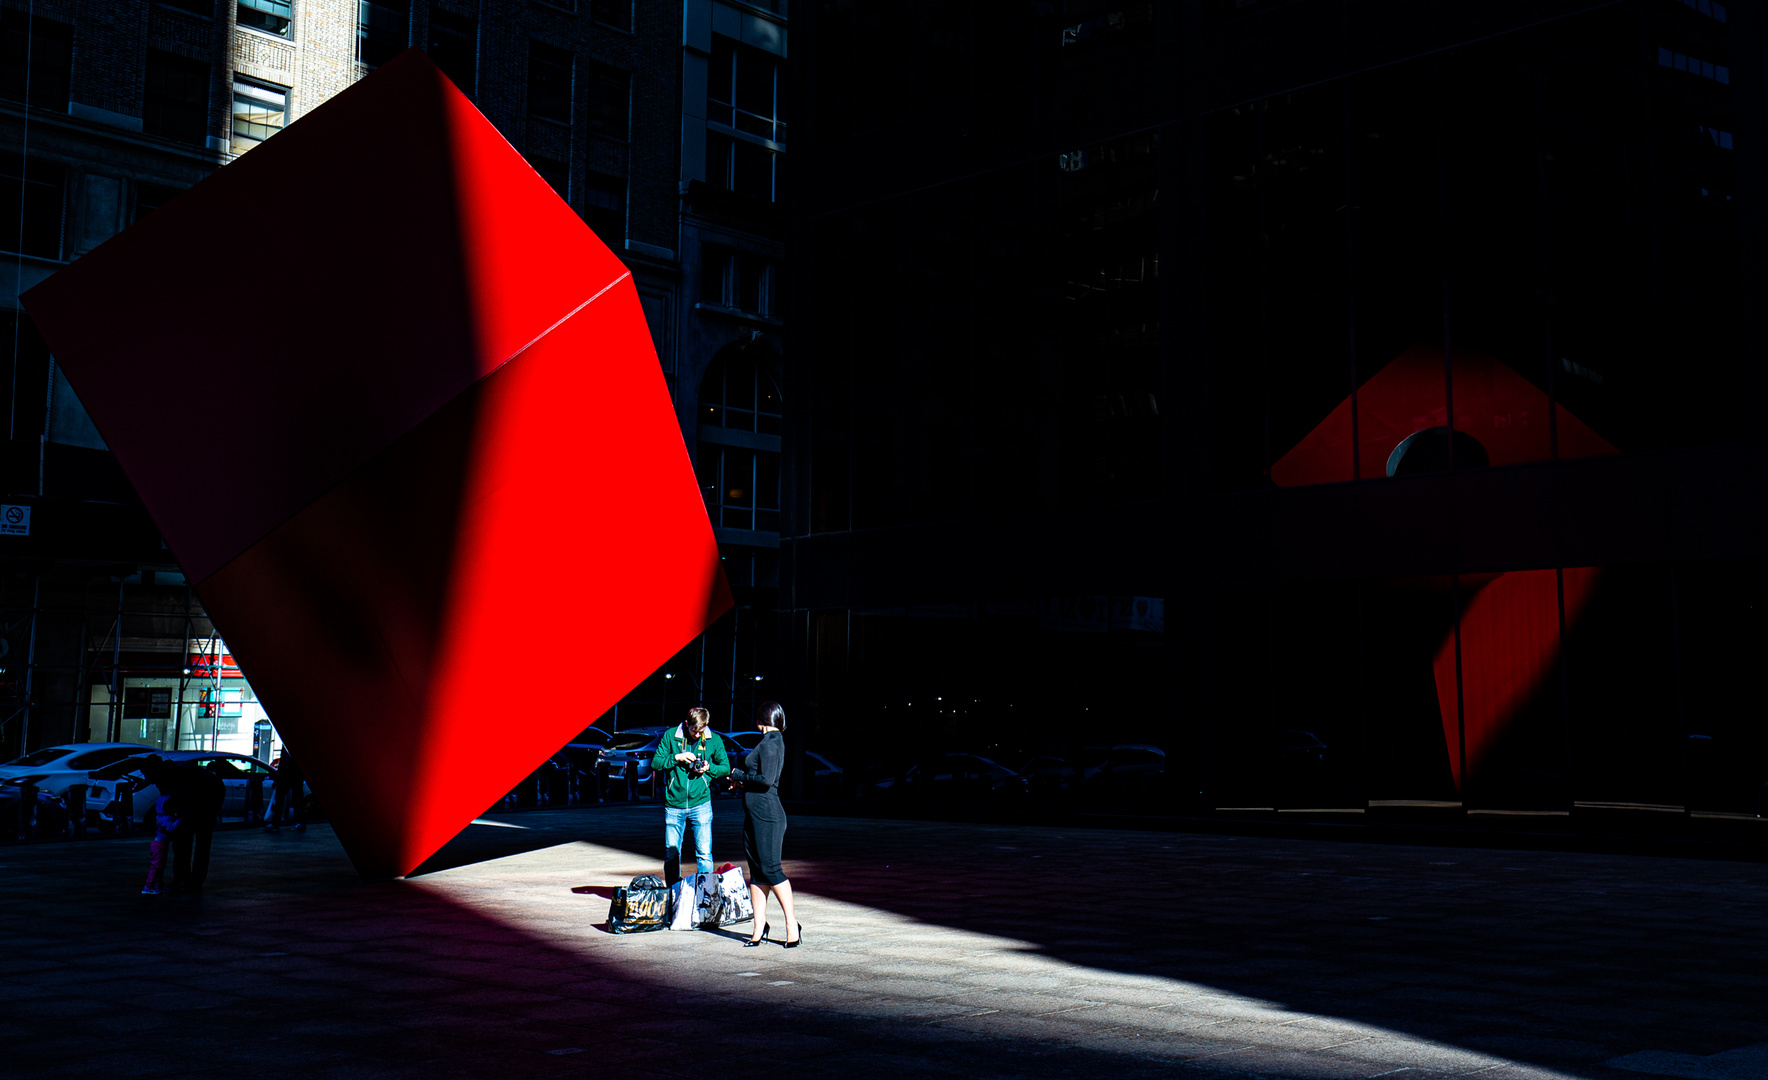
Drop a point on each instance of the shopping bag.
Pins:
(681, 904)
(643, 905)
(708, 900)
(735, 905)
(697, 902)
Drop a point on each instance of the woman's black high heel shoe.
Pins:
(752, 942)
(794, 944)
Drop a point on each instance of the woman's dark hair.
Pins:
(771, 715)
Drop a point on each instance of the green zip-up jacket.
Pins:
(683, 790)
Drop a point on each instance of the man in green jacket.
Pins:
(689, 759)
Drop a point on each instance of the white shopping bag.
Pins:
(694, 901)
(734, 892)
(682, 904)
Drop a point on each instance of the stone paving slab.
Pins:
(931, 949)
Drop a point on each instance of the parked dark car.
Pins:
(569, 776)
(736, 747)
(625, 763)
(1048, 777)
(956, 777)
(826, 779)
(1129, 773)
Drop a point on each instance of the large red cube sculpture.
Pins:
(396, 411)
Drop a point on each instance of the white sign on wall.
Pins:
(15, 520)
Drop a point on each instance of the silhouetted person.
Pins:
(200, 794)
(286, 794)
(166, 822)
(764, 823)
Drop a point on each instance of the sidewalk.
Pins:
(931, 949)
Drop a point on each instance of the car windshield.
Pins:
(42, 757)
(636, 741)
(591, 735)
(1094, 756)
(98, 759)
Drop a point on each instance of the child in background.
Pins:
(166, 821)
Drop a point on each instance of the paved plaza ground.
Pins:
(946, 950)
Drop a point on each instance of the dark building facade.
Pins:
(726, 339)
(106, 112)
(1361, 403)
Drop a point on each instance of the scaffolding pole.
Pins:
(24, 731)
(82, 712)
(114, 726)
(183, 673)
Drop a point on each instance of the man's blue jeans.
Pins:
(673, 821)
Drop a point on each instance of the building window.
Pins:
(745, 111)
(1694, 65)
(205, 8)
(32, 194)
(615, 13)
(610, 96)
(150, 197)
(268, 16)
(554, 172)
(745, 90)
(604, 207)
(259, 111)
(742, 487)
(1712, 9)
(454, 47)
(382, 29)
(742, 166)
(549, 83)
(736, 280)
(738, 395)
(42, 47)
(177, 98)
(739, 462)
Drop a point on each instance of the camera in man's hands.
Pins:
(697, 766)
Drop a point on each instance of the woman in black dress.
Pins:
(764, 823)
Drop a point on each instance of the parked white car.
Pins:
(55, 769)
(238, 771)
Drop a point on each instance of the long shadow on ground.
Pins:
(1559, 960)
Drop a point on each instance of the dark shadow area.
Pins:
(1558, 960)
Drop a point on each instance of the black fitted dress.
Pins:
(764, 819)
